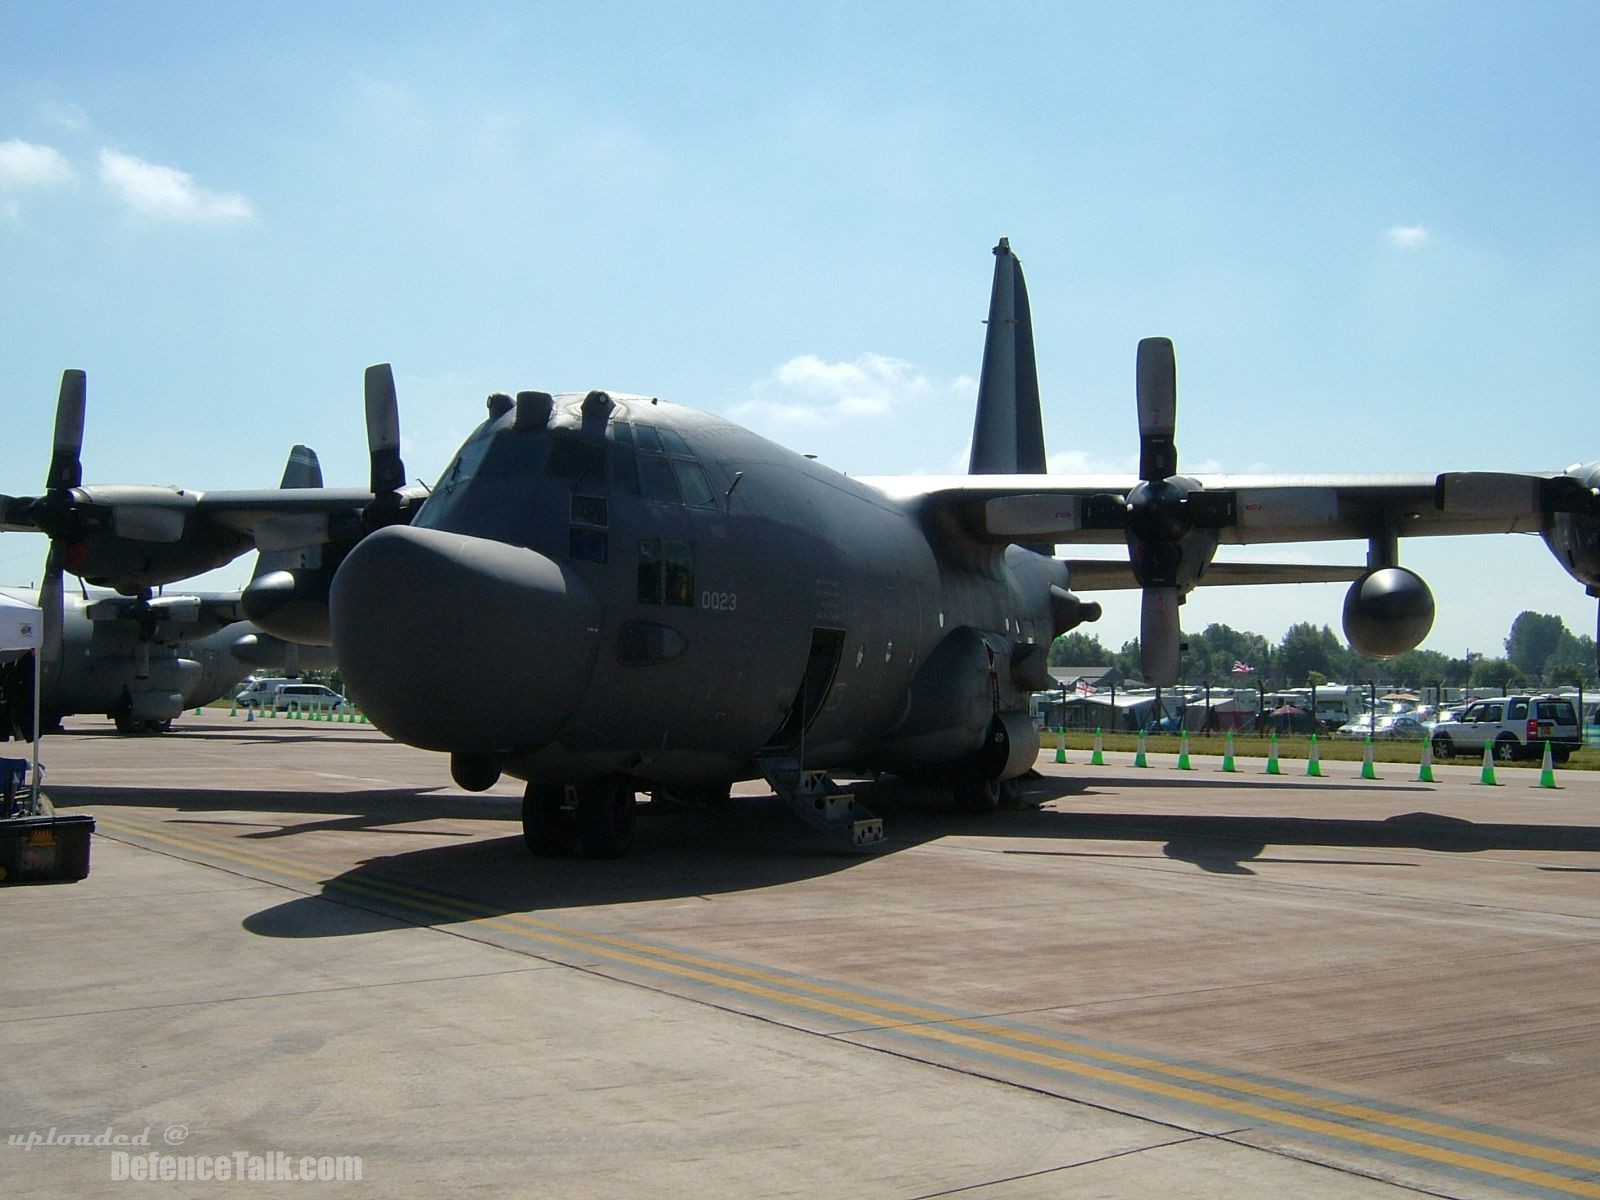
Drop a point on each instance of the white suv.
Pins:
(1516, 726)
(284, 694)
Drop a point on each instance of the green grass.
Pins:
(1293, 747)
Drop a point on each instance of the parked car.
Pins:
(1516, 726)
(1391, 726)
(284, 694)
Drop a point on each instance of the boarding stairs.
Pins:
(819, 801)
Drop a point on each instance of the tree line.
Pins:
(1540, 651)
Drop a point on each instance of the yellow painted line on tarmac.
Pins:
(968, 1033)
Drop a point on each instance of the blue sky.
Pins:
(1370, 229)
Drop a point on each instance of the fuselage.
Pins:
(617, 585)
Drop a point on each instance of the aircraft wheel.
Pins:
(976, 793)
(605, 818)
(547, 827)
(1506, 748)
(1443, 747)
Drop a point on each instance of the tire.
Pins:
(1506, 748)
(975, 793)
(547, 827)
(1561, 753)
(605, 818)
(1443, 747)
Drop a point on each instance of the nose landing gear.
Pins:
(595, 818)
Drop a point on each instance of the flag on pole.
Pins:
(1240, 668)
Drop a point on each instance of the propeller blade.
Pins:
(52, 605)
(15, 516)
(66, 465)
(383, 431)
(1160, 639)
(1157, 392)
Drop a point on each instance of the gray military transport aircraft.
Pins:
(141, 660)
(605, 593)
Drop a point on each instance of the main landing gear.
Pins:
(595, 818)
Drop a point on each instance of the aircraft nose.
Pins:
(457, 643)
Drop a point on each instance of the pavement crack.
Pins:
(1072, 1166)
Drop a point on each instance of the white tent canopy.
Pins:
(22, 628)
(21, 624)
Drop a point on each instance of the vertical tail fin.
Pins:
(1008, 435)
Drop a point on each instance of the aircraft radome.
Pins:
(605, 593)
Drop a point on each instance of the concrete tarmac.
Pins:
(300, 940)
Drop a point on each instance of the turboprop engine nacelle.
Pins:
(1574, 536)
(292, 604)
(1387, 611)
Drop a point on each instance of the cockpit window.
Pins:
(465, 465)
(648, 438)
(573, 456)
(624, 470)
(694, 485)
(657, 480)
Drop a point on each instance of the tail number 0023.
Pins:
(719, 601)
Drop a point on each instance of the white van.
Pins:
(284, 694)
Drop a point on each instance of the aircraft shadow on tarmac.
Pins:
(373, 809)
(754, 843)
(241, 733)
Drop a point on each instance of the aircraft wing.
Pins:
(170, 618)
(1110, 574)
(286, 518)
(1244, 509)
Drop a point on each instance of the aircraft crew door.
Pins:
(822, 664)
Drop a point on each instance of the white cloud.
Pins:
(1408, 237)
(805, 390)
(166, 193)
(22, 164)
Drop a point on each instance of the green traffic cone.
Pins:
(1547, 769)
(1487, 774)
(1314, 759)
(1367, 770)
(1183, 751)
(1061, 745)
(1425, 771)
(1227, 755)
(1138, 755)
(1098, 758)
(1272, 756)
